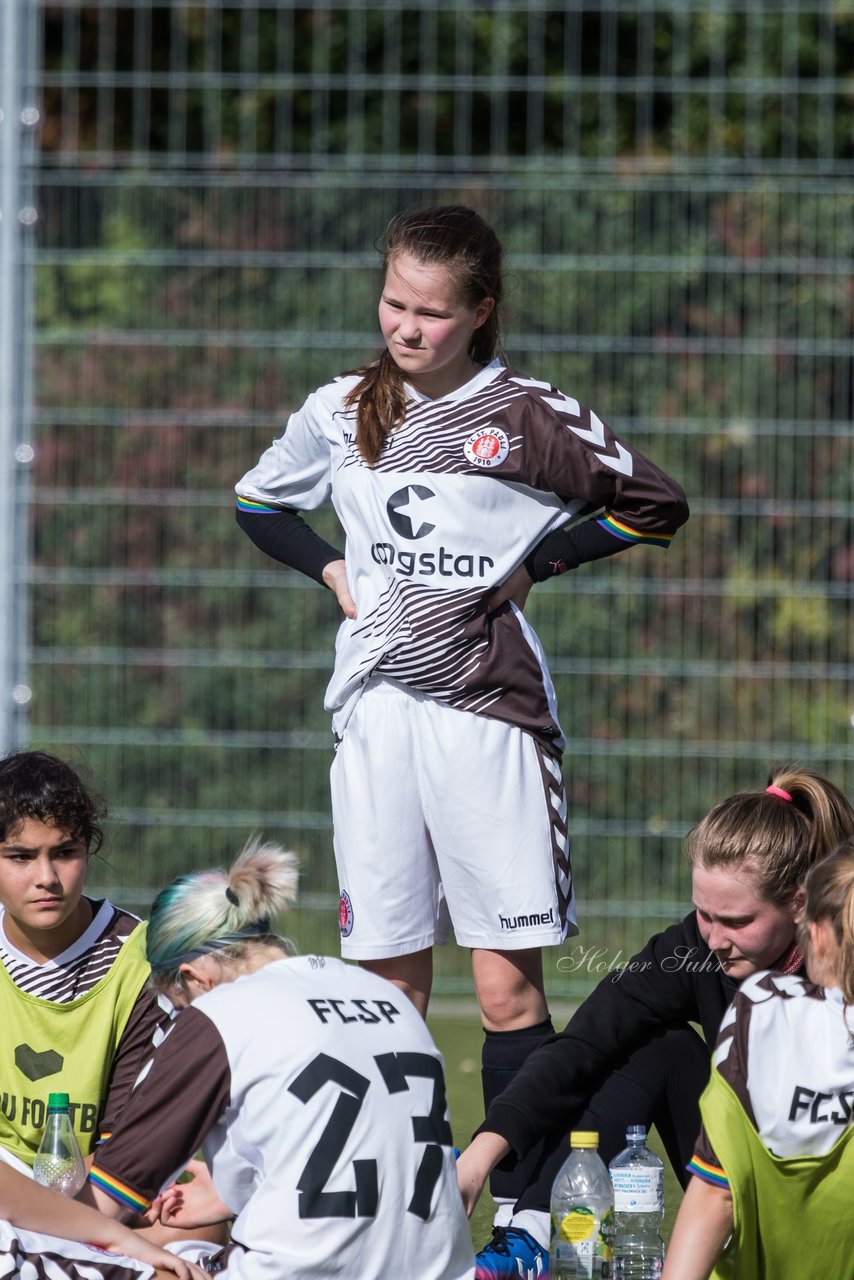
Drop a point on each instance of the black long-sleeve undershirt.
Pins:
(568, 547)
(285, 536)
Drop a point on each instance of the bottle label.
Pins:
(637, 1189)
(577, 1225)
(579, 1234)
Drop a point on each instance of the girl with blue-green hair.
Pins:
(313, 1088)
(224, 915)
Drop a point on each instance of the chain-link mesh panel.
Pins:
(672, 185)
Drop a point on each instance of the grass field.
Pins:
(459, 1036)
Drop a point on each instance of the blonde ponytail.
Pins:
(778, 833)
(218, 910)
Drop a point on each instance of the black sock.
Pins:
(504, 1052)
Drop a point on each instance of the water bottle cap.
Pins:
(585, 1138)
(636, 1133)
(57, 1102)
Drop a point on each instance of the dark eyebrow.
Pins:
(14, 847)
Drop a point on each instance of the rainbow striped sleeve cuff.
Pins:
(118, 1190)
(708, 1172)
(247, 504)
(627, 534)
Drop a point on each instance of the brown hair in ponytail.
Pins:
(458, 239)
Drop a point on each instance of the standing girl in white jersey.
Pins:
(314, 1089)
(454, 479)
(774, 1164)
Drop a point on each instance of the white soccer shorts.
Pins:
(442, 816)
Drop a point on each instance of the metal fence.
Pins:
(672, 181)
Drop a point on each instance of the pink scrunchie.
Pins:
(777, 791)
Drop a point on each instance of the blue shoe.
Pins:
(511, 1253)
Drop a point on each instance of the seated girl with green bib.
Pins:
(77, 1014)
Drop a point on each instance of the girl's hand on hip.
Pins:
(335, 577)
(515, 588)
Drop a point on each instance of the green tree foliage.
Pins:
(234, 84)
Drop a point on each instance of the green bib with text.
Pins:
(63, 1048)
(792, 1217)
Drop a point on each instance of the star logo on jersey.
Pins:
(405, 511)
(487, 448)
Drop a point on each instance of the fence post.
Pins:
(17, 218)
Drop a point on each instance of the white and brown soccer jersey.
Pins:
(465, 488)
(787, 1052)
(318, 1097)
(78, 969)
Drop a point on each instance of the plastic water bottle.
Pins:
(59, 1162)
(638, 1178)
(582, 1214)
